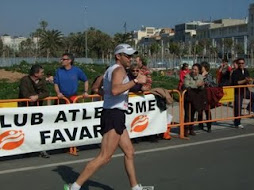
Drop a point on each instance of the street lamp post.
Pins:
(86, 29)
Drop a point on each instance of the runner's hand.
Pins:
(141, 78)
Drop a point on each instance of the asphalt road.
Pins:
(222, 160)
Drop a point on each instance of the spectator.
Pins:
(50, 78)
(132, 74)
(66, 83)
(184, 71)
(33, 87)
(67, 77)
(194, 84)
(208, 82)
(241, 77)
(97, 85)
(223, 73)
(145, 71)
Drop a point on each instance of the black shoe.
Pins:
(209, 130)
(201, 126)
(192, 133)
(153, 138)
(44, 154)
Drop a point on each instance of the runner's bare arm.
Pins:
(118, 76)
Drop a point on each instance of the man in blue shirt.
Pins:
(67, 77)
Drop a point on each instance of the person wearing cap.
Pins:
(116, 87)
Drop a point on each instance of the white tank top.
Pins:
(110, 102)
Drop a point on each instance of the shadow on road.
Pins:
(69, 176)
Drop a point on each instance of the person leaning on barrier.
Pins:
(67, 77)
(208, 83)
(241, 77)
(194, 84)
(33, 87)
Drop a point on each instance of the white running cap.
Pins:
(125, 48)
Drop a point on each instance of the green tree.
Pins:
(122, 38)
(154, 48)
(51, 41)
(174, 48)
(228, 44)
(99, 43)
(1, 47)
(43, 25)
(27, 48)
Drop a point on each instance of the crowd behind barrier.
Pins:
(222, 112)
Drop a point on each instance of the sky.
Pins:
(21, 17)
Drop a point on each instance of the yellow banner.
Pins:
(8, 105)
(229, 95)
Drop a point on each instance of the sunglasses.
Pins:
(127, 56)
(241, 63)
(135, 70)
(64, 59)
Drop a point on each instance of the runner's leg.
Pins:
(128, 149)
(109, 144)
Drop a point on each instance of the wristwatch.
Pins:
(135, 81)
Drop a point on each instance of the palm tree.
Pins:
(122, 38)
(1, 47)
(43, 25)
(27, 48)
(99, 43)
(78, 43)
(51, 41)
(228, 44)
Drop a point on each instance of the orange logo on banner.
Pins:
(10, 140)
(139, 124)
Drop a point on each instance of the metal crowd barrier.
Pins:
(225, 111)
(176, 109)
(46, 101)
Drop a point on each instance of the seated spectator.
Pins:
(194, 84)
(34, 88)
(241, 77)
(223, 74)
(184, 71)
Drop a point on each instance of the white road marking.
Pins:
(120, 155)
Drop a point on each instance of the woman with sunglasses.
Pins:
(132, 74)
